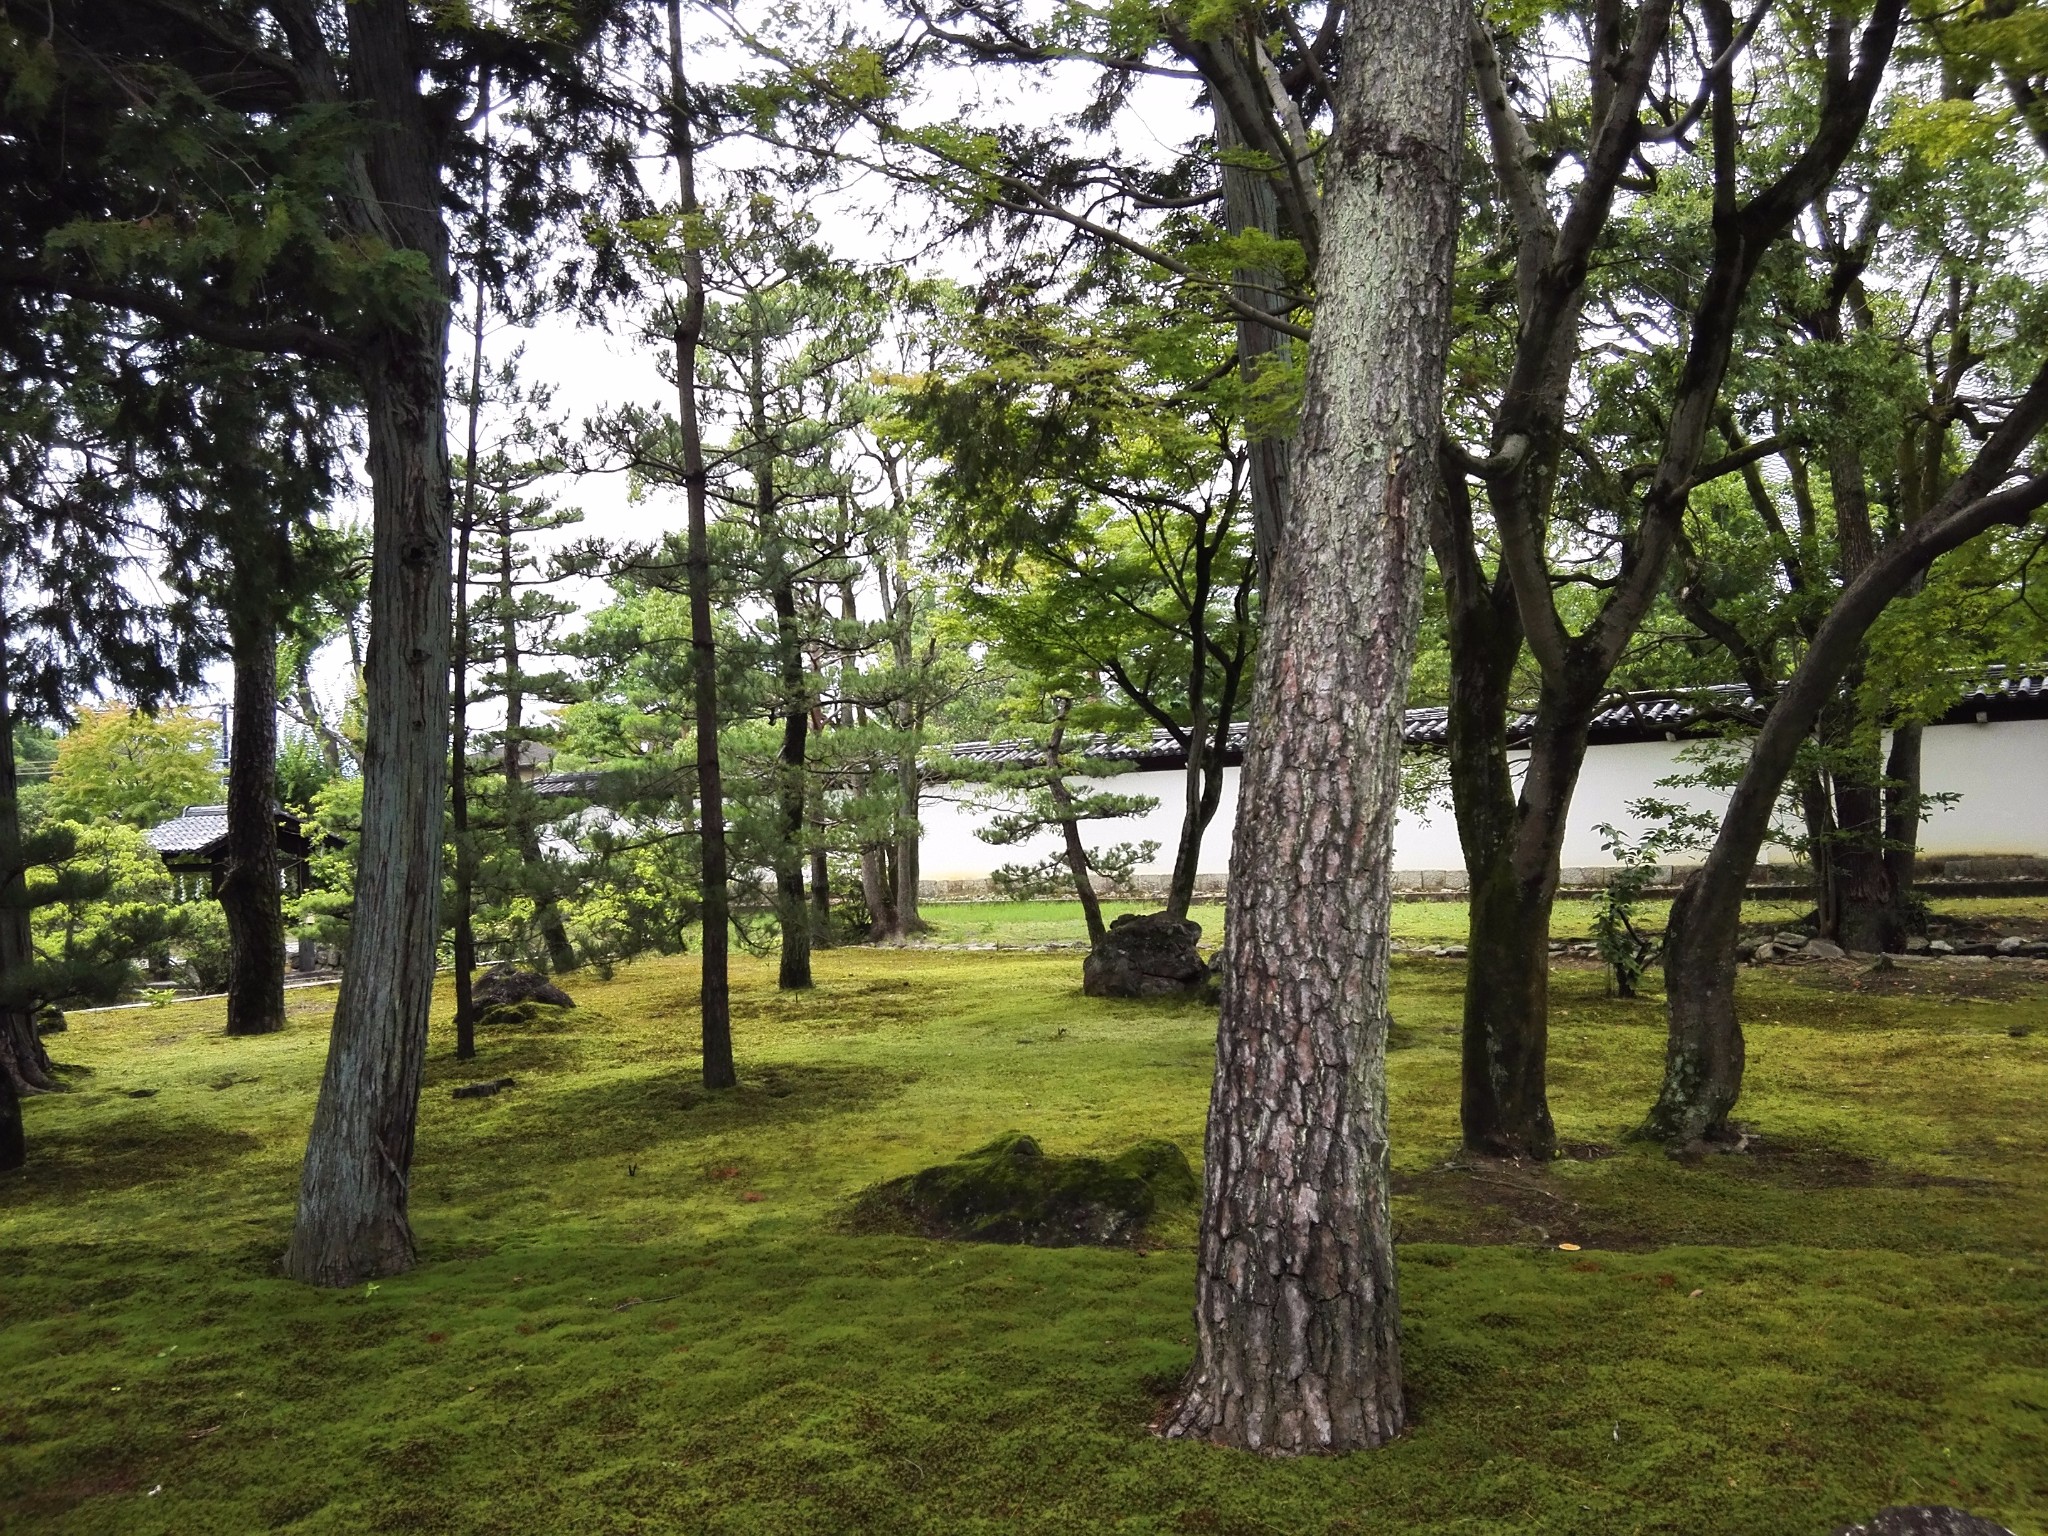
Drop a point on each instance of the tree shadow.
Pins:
(122, 1151)
(623, 1115)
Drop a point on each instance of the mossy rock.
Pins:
(1010, 1191)
(521, 1016)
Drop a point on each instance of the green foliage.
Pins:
(1624, 948)
(119, 764)
(646, 1295)
(101, 908)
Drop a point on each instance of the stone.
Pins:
(1982, 947)
(1822, 949)
(1940, 947)
(50, 1020)
(1916, 943)
(1789, 940)
(1146, 954)
(2012, 944)
(1010, 1191)
(1766, 952)
(483, 1090)
(507, 983)
(1925, 1520)
(1747, 949)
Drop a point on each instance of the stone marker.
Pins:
(1146, 954)
(507, 983)
(1822, 949)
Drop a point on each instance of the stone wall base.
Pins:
(1985, 874)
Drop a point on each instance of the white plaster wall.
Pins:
(2000, 770)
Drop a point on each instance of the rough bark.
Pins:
(1298, 1326)
(1704, 1049)
(250, 894)
(714, 892)
(352, 1222)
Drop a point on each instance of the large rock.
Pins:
(507, 983)
(1146, 954)
(1925, 1520)
(1010, 1192)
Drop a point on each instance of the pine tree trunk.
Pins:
(352, 1220)
(792, 910)
(909, 792)
(714, 891)
(1070, 830)
(821, 895)
(251, 896)
(1298, 1325)
(458, 738)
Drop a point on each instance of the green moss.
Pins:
(1011, 1192)
(638, 1308)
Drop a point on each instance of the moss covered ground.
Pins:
(642, 1309)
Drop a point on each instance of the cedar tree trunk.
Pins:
(352, 1223)
(1298, 1326)
(714, 893)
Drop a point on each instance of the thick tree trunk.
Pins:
(1298, 1344)
(1503, 1108)
(13, 1138)
(714, 892)
(1703, 1059)
(352, 1223)
(250, 893)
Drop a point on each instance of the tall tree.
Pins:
(1298, 1339)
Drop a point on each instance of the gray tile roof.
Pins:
(1630, 717)
(196, 830)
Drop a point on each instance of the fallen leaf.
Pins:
(1569, 1247)
(201, 1434)
(1695, 1293)
(752, 1196)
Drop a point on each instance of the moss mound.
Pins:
(1011, 1192)
(521, 1015)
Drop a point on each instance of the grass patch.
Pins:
(641, 1307)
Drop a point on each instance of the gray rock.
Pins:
(1146, 954)
(1916, 944)
(1821, 949)
(1978, 947)
(1925, 1520)
(483, 1090)
(507, 983)
(1940, 947)
(1746, 950)
(1789, 940)
(2012, 944)
(1454, 951)
(1766, 952)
